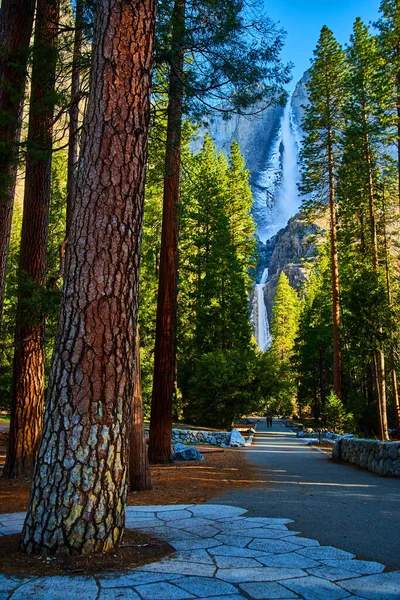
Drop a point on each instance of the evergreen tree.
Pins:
(312, 355)
(215, 37)
(320, 154)
(29, 356)
(365, 134)
(16, 23)
(389, 44)
(285, 319)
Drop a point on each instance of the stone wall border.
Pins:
(381, 458)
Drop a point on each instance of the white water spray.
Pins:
(262, 332)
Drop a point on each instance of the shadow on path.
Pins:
(337, 504)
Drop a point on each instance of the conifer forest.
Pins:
(135, 286)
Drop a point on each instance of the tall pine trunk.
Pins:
(73, 113)
(337, 355)
(139, 469)
(28, 368)
(380, 358)
(395, 386)
(164, 353)
(16, 22)
(81, 476)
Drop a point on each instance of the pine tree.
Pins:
(365, 134)
(16, 23)
(29, 356)
(216, 36)
(389, 43)
(79, 490)
(320, 156)
(285, 319)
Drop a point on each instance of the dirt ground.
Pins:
(177, 483)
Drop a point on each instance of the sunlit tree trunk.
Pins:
(380, 358)
(28, 368)
(139, 469)
(164, 353)
(16, 22)
(337, 354)
(81, 475)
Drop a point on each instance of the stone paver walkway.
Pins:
(220, 555)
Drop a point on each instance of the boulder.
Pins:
(236, 439)
(187, 453)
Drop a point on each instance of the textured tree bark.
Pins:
(73, 124)
(16, 22)
(164, 353)
(337, 354)
(139, 469)
(80, 481)
(28, 368)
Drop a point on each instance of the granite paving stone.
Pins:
(325, 552)
(230, 597)
(205, 531)
(274, 546)
(385, 586)
(199, 556)
(267, 591)
(55, 588)
(203, 586)
(314, 588)
(229, 562)
(163, 591)
(234, 551)
(192, 522)
(289, 559)
(265, 532)
(259, 574)
(233, 540)
(169, 565)
(333, 573)
(219, 554)
(215, 511)
(364, 567)
(194, 544)
(133, 577)
(173, 515)
(118, 594)
(10, 582)
(301, 541)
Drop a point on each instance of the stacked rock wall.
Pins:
(382, 458)
(193, 437)
(189, 436)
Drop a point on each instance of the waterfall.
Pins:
(279, 181)
(261, 324)
(288, 202)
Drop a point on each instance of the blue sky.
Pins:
(303, 20)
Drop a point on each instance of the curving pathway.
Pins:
(335, 503)
(221, 554)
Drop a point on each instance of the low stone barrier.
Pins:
(193, 437)
(382, 458)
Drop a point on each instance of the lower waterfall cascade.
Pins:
(261, 324)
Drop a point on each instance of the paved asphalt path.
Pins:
(336, 504)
